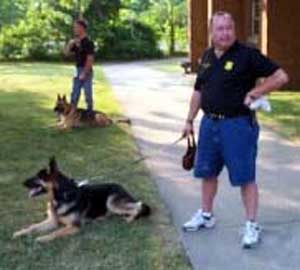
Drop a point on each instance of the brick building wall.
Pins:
(198, 30)
(280, 35)
(239, 13)
(283, 37)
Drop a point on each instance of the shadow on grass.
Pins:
(35, 69)
(27, 141)
(29, 137)
(284, 117)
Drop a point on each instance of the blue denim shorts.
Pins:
(230, 142)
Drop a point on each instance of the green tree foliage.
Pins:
(169, 19)
(103, 9)
(12, 11)
(136, 5)
(121, 29)
(36, 36)
(118, 35)
(129, 40)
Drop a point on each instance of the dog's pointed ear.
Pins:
(43, 173)
(53, 165)
(44, 176)
(58, 97)
(64, 98)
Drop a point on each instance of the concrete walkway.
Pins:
(157, 103)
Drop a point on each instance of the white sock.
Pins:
(207, 214)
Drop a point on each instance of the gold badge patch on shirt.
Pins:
(228, 65)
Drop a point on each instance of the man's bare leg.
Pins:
(250, 196)
(209, 191)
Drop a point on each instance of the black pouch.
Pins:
(189, 156)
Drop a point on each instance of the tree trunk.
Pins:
(172, 30)
(78, 11)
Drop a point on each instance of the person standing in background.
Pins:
(82, 48)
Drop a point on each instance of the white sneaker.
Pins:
(251, 234)
(199, 220)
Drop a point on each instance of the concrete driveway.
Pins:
(157, 103)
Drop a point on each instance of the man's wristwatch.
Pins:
(254, 97)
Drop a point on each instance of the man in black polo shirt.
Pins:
(224, 89)
(83, 50)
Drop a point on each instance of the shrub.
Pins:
(38, 38)
(126, 40)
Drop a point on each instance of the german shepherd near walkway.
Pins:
(71, 117)
(70, 205)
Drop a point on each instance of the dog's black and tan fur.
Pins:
(71, 117)
(70, 204)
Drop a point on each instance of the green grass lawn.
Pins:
(28, 139)
(285, 115)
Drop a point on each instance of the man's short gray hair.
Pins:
(220, 14)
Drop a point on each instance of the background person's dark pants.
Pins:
(87, 85)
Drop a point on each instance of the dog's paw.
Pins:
(129, 219)
(43, 239)
(19, 233)
(15, 235)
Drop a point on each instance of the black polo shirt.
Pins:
(85, 48)
(224, 82)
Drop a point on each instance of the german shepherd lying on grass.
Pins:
(70, 117)
(71, 204)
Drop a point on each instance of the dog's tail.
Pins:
(145, 210)
(123, 121)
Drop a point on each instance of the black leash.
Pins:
(117, 171)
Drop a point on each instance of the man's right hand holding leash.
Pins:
(195, 105)
(188, 128)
